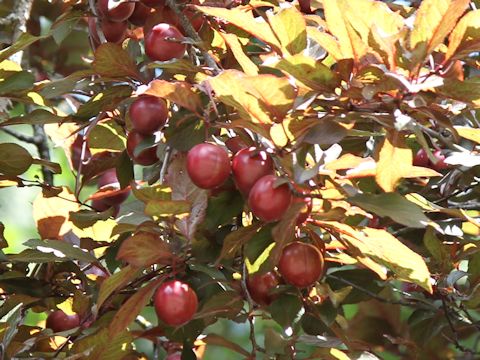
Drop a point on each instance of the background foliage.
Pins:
(342, 93)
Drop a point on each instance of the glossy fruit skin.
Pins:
(208, 165)
(260, 286)
(248, 166)
(301, 264)
(76, 152)
(154, 3)
(268, 203)
(148, 114)
(59, 321)
(120, 13)
(158, 48)
(109, 178)
(175, 302)
(421, 158)
(140, 14)
(147, 156)
(306, 210)
(440, 164)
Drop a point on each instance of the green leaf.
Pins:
(167, 208)
(222, 208)
(226, 304)
(101, 345)
(13, 81)
(36, 117)
(14, 159)
(144, 249)
(236, 239)
(87, 218)
(290, 28)
(132, 307)
(53, 167)
(217, 340)
(437, 249)
(384, 249)
(286, 310)
(308, 71)
(64, 25)
(107, 136)
(57, 88)
(354, 280)
(115, 282)
(467, 91)
(394, 206)
(21, 43)
(111, 60)
(61, 249)
(103, 101)
(465, 38)
(433, 22)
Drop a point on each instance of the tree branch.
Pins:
(19, 136)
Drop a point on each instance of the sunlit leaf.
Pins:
(394, 161)
(144, 249)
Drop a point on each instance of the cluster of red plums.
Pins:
(421, 159)
(164, 34)
(209, 166)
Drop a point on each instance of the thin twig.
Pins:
(190, 31)
(20, 136)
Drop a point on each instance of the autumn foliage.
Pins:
(308, 169)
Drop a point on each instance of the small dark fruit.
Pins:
(59, 321)
(140, 14)
(301, 264)
(148, 114)
(208, 165)
(260, 286)
(421, 158)
(175, 302)
(248, 166)
(121, 12)
(269, 203)
(147, 156)
(159, 48)
(440, 163)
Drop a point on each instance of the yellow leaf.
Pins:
(248, 66)
(433, 22)
(51, 214)
(468, 133)
(327, 41)
(276, 94)
(383, 248)
(465, 38)
(290, 28)
(181, 93)
(244, 20)
(394, 161)
(309, 72)
(230, 89)
(334, 15)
